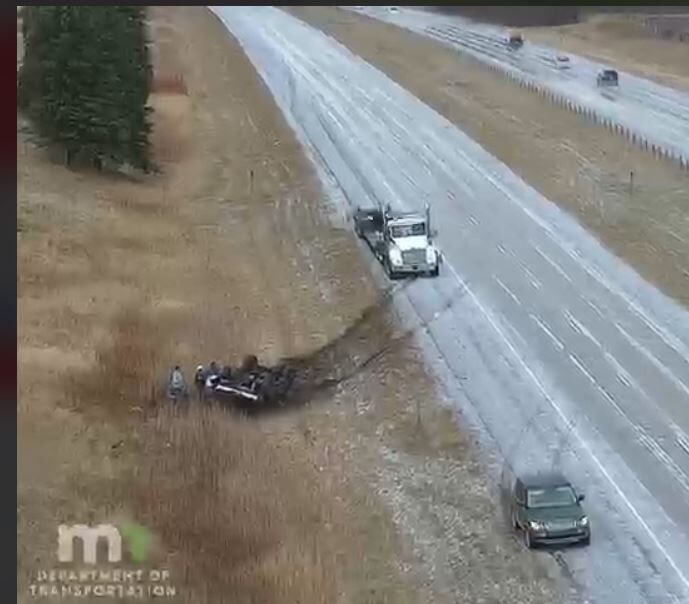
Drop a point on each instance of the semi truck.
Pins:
(402, 241)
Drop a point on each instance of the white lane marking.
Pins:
(536, 284)
(642, 349)
(473, 220)
(610, 398)
(552, 263)
(582, 368)
(507, 290)
(628, 380)
(683, 442)
(661, 455)
(572, 323)
(572, 429)
(581, 328)
(623, 378)
(501, 249)
(594, 307)
(621, 372)
(547, 332)
(642, 435)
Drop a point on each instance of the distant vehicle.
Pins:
(547, 510)
(401, 241)
(394, 9)
(515, 41)
(562, 62)
(607, 78)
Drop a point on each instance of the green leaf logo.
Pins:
(138, 541)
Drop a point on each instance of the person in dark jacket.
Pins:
(213, 369)
(200, 382)
(212, 379)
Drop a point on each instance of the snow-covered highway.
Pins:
(655, 113)
(568, 357)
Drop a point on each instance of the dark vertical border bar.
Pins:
(8, 308)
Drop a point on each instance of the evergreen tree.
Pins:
(85, 81)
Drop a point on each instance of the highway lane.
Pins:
(656, 113)
(568, 358)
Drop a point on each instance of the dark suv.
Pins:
(546, 508)
(607, 77)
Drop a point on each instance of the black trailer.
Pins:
(369, 225)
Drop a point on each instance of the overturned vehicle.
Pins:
(250, 387)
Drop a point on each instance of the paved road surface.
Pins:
(656, 113)
(560, 352)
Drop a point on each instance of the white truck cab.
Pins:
(403, 242)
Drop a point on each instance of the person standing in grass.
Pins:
(200, 382)
(177, 385)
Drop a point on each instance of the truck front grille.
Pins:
(414, 257)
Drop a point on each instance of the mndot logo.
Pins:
(137, 537)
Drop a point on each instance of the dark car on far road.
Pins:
(607, 78)
(547, 510)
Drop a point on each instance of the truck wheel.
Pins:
(435, 272)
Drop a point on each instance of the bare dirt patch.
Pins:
(117, 280)
(628, 41)
(576, 164)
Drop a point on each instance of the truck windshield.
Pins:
(408, 230)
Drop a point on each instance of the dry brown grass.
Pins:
(169, 84)
(241, 531)
(224, 497)
(117, 280)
